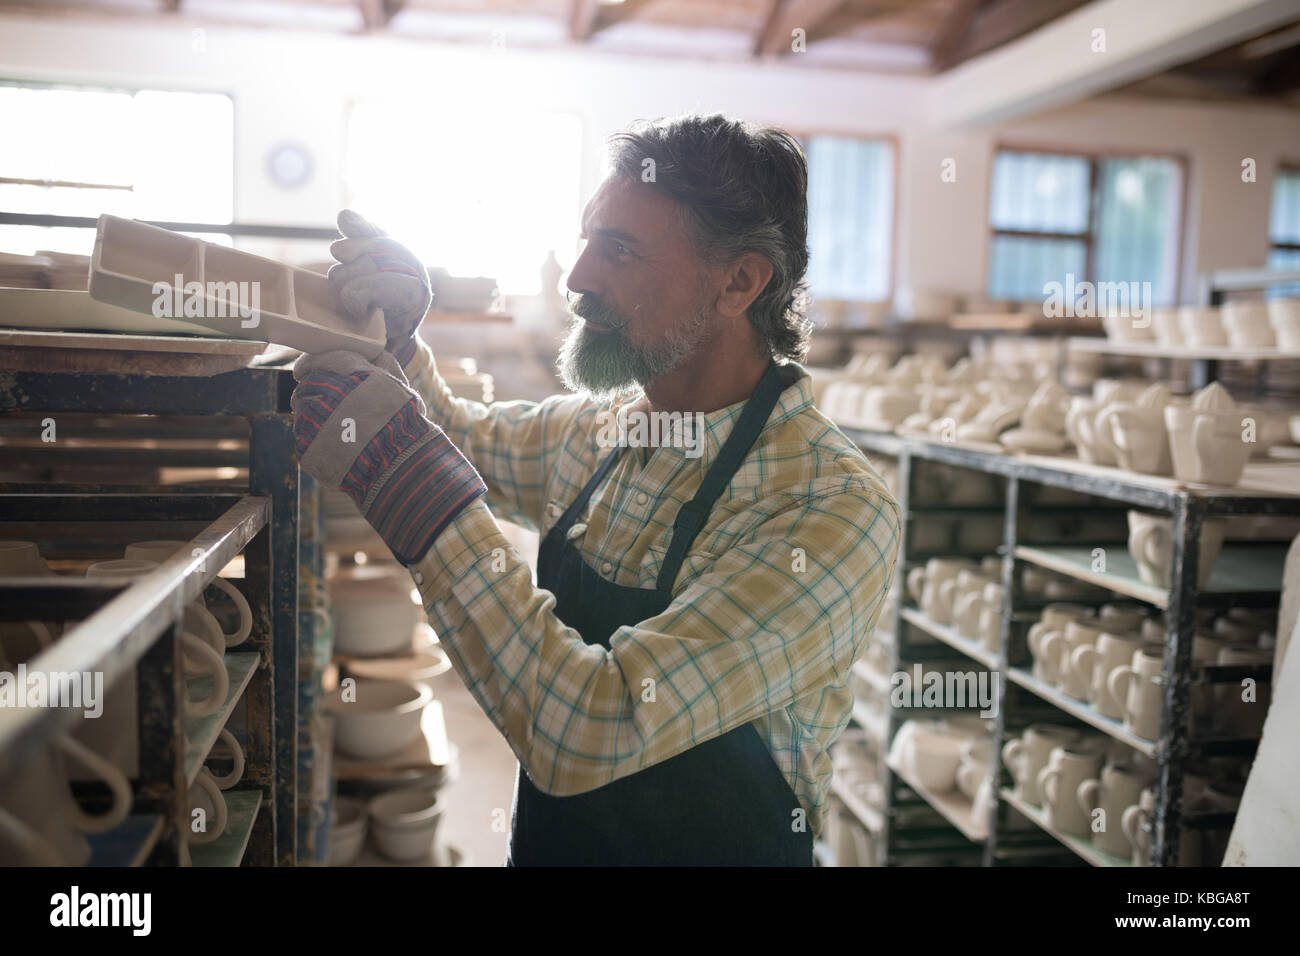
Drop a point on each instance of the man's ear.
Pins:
(744, 280)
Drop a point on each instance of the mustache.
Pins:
(588, 305)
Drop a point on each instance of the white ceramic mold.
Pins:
(295, 307)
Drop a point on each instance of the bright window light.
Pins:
(151, 154)
(476, 192)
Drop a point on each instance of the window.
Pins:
(850, 217)
(475, 191)
(1103, 219)
(147, 154)
(1284, 228)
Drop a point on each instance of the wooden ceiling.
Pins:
(920, 36)
(912, 36)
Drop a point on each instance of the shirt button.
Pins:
(642, 497)
(576, 530)
(554, 510)
(606, 568)
(419, 577)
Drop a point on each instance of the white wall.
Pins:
(298, 86)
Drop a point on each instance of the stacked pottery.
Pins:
(1164, 323)
(1128, 328)
(1069, 766)
(1053, 622)
(932, 586)
(1284, 316)
(1138, 433)
(1026, 756)
(1202, 326)
(1104, 801)
(1042, 427)
(1140, 686)
(1206, 438)
(1247, 325)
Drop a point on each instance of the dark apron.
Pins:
(723, 802)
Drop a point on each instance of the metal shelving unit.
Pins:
(1249, 575)
(116, 625)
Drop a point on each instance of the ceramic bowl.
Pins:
(384, 717)
(405, 822)
(934, 759)
(348, 823)
(421, 666)
(374, 615)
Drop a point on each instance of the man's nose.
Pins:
(581, 277)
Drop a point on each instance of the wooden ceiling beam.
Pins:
(1002, 21)
(943, 52)
(786, 16)
(377, 14)
(589, 17)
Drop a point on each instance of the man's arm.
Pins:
(746, 637)
(513, 445)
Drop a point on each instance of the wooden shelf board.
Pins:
(228, 849)
(1078, 845)
(1269, 353)
(1237, 569)
(972, 649)
(127, 844)
(1081, 710)
(953, 807)
(202, 732)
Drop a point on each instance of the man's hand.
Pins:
(362, 430)
(374, 270)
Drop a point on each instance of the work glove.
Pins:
(374, 270)
(361, 429)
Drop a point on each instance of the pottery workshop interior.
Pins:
(482, 433)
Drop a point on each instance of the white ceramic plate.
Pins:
(67, 310)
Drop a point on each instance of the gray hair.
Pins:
(743, 188)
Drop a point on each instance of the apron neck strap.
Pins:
(692, 516)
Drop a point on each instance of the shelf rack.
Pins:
(1249, 575)
(123, 624)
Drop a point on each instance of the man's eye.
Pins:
(621, 249)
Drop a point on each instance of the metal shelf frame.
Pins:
(1020, 699)
(134, 623)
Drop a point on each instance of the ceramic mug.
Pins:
(1068, 767)
(160, 551)
(1140, 437)
(927, 586)
(1058, 650)
(1054, 619)
(1150, 542)
(1025, 756)
(1113, 792)
(973, 771)
(990, 623)
(198, 653)
(1141, 686)
(1098, 660)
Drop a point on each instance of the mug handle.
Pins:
(211, 627)
(1077, 657)
(1051, 669)
(220, 678)
(213, 831)
(1118, 678)
(245, 613)
(1104, 436)
(29, 842)
(1046, 777)
(1110, 418)
(237, 771)
(1087, 795)
(118, 785)
(916, 583)
(1129, 824)
(1011, 751)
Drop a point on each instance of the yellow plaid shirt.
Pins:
(777, 597)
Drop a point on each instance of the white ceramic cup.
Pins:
(1098, 660)
(929, 586)
(1117, 789)
(990, 622)
(1025, 756)
(197, 652)
(1058, 650)
(1068, 767)
(1141, 686)
(160, 551)
(1150, 542)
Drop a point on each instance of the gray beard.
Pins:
(603, 365)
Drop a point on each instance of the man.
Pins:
(672, 683)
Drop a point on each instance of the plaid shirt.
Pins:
(777, 597)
